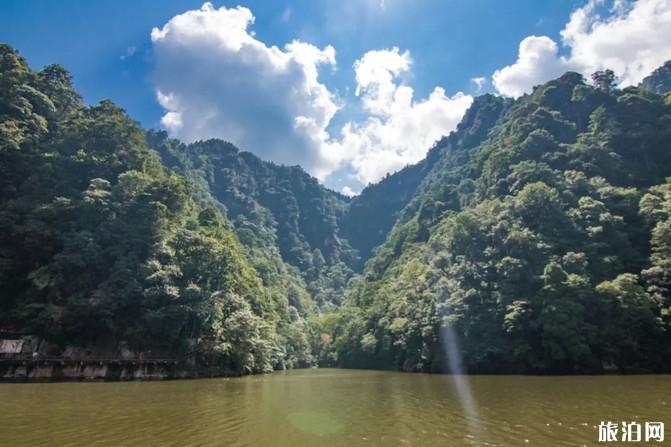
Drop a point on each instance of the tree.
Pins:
(604, 80)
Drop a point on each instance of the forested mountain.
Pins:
(541, 248)
(373, 213)
(102, 248)
(659, 80)
(535, 238)
(286, 219)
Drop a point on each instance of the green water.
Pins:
(329, 407)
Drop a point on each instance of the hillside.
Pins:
(542, 248)
(102, 250)
(283, 216)
(535, 238)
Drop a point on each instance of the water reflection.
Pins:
(459, 379)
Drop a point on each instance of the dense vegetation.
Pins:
(285, 218)
(101, 247)
(536, 237)
(542, 248)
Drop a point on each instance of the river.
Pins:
(330, 407)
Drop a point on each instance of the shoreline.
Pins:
(151, 370)
(97, 370)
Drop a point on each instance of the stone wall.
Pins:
(55, 370)
(91, 370)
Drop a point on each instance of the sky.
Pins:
(350, 90)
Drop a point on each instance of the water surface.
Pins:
(329, 407)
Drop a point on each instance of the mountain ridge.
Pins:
(535, 236)
(535, 251)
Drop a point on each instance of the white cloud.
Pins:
(348, 191)
(215, 79)
(479, 82)
(631, 38)
(399, 130)
(537, 62)
(375, 73)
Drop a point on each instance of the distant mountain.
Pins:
(373, 213)
(281, 213)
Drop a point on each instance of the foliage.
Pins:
(536, 237)
(544, 246)
(285, 219)
(101, 248)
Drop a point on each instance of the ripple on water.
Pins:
(327, 408)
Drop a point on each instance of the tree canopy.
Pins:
(537, 237)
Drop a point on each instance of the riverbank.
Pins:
(28, 358)
(57, 369)
(96, 369)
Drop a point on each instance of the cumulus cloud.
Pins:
(479, 83)
(399, 130)
(631, 38)
(375, 73)
(537, 61)
(214, 78)
(346, 190)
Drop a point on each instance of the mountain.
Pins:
(535, 238)
(285, 218)
(373, 213)
(659, 80)
(103, 250)
(538, 242)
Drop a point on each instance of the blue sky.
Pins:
(107, 45)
